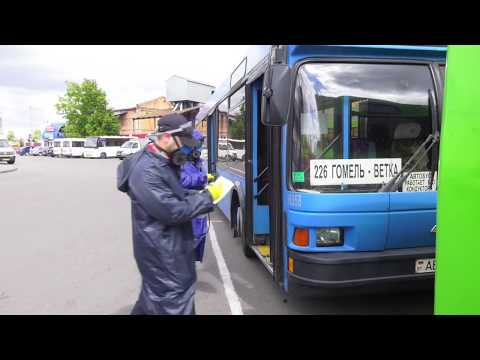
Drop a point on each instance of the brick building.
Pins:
(142, 118)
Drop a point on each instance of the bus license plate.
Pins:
(424, 266)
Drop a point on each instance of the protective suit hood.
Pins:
(125, 169)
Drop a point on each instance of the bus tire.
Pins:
(247, 250)
(103, 156)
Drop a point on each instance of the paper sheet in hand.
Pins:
(227, 187)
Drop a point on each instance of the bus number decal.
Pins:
(295, 200)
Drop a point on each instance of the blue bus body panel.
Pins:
(412, 217)
(335, 202)
(401, 201)
(411, 228)
(362, 231)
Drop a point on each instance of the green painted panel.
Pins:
(457, 279)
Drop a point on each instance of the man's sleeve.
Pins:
(158, 199)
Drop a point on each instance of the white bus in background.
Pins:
(57, 147)
(72, 147)
(102, 147)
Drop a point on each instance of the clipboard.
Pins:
(227, 187)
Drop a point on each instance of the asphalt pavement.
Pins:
(65, 248)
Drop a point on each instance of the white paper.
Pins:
(227, 187)
(419, 181)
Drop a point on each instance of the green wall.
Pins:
(457, 279)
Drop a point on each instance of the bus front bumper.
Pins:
(352, 272)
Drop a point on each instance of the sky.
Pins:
(32, 78)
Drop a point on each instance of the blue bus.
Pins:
(335, 190)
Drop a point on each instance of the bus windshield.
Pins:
(4, 143)
(91, 142)
(359, 111)
(127, 145)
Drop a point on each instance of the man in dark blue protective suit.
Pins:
(162, 213)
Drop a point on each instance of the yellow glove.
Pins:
(215, 189)
(210, 177)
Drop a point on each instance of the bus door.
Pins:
(260, 194)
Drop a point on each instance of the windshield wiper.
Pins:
(418, 155)
(398, 179)
(329, 146)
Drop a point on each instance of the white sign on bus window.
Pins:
(353, 171)
(419, 182)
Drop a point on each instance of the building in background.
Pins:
(184, 96)
(53, 131)
(184, 93)
(142, 118)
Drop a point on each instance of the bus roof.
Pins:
(254, 63)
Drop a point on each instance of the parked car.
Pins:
(6, 152)
(131, 147)
(25, 150)
(226, 151)
(44, 151)
(35, 151)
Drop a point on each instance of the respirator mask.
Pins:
(185, 146)
(181, 155)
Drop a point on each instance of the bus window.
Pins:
(236, 130)
(92, 142)
(385, 107)
(222, 128)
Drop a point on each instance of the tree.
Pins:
(37, 135)
(11, 136)
(85, 107)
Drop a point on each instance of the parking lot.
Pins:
(66, 249)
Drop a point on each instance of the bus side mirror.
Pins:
(276, 95)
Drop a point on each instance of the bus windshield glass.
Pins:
(91, 142)
(4, 143)
(127, 145)
(358, 111)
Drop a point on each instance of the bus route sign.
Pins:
(353, 171)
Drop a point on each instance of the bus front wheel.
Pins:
(103, 156)
(239, 231)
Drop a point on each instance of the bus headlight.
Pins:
(329, 237)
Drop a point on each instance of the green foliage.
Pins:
(37, 134)
(11, 136)
(237, 126)
(85, 107)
